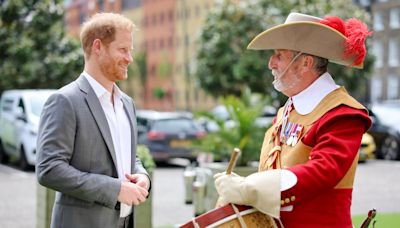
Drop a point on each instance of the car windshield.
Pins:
(37, 101)
(388, 114)
(176, 125)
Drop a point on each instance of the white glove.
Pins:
(230, 188)
(260, 190)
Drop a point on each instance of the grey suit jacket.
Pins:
(76, 157)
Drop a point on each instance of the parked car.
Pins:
(386, 129)
(168, 134)
(19, 120)
(263, 121)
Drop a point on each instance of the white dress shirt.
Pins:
(119, 126)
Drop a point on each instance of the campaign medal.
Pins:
(289, 140)
(290, 133)
(297, 134)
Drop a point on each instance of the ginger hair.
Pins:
(103, 26)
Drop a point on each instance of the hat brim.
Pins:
(308, 37)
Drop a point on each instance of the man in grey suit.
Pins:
(87, 135)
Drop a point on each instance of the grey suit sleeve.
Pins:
(55, 148)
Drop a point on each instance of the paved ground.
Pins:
(377, 185)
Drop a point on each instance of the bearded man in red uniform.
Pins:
(309, 155)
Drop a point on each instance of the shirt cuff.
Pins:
(288, 179)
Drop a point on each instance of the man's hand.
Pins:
(140, 179)
(231, 189)
(132, 194)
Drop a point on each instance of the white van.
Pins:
(19, 121)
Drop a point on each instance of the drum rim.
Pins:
(231, 217)
(224, 212)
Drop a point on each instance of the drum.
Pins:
(232, 216)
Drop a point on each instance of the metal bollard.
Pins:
(188, 176)
(200, 191)
(198, 197)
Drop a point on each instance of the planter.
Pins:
(44, 206)
(143, 217)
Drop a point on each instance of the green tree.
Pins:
(34, 51)
(224, 64)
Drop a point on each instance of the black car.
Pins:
(168, 134)
(386, 129)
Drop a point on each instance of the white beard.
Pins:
(280, 86)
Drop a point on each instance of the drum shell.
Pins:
(225, 217)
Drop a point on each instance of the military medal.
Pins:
(289, 140)
(291, 133)
(297, 134)
(294, 142)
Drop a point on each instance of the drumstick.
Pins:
(232, 163)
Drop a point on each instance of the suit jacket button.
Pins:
(117, 206)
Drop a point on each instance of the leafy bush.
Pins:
(143, 153)
(244, 134)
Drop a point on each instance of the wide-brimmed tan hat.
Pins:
(331, 38)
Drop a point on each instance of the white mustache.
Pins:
(275, 73)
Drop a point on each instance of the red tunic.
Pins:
(335, 139)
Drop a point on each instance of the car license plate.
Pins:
(180, 143)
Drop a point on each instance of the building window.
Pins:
(187, 40)
(154, 20)
(378, 52)
(161, 43)
(67, 3)
(153, 69)
(101, 5)
(161, 17)
(197, 10)
(394, 52)
(378, 21)
(187, 12)
(170, 42)
(376, 89)
(395, 18)
(154, 45)
(393, 87)
(130, 4)
(144, 22)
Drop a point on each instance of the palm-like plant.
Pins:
(243, 133)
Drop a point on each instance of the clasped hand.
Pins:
(231, 189)
(134, 191)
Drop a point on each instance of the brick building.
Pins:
(167, 32)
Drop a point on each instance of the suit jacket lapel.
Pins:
(98, 115)
(128, 107)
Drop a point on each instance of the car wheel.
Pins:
(3, 156)
(23, 162)
(390, 149)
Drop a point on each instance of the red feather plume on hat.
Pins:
(355, 31)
